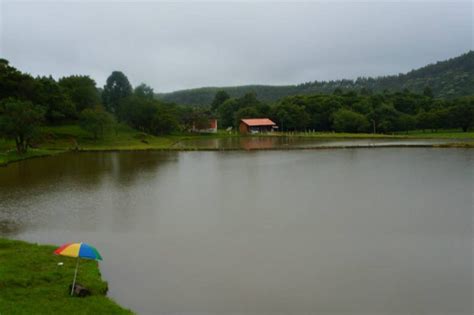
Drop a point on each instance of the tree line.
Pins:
(351, 111)
(26, 102)
(448, 79)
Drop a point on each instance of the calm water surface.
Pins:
(386, 231)
(249, 143)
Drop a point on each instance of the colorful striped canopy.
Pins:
(81, 250)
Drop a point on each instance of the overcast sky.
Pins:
(173, 46)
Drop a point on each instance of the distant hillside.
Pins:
(447, 79)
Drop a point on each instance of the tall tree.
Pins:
(225, 112)
(57, 103)
(13, 83)
(220, 97)
(144, 91)
(82, 91)
(116, 89)
(19, 120)
(428, 92)
(462, 114)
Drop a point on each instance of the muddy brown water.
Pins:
(354, 231)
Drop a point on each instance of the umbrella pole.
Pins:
(75, 275)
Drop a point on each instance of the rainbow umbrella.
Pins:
(78, 250)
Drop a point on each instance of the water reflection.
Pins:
(74, 187)
(386, 231)
(253, 143)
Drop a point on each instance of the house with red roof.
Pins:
(256, 125)
(207, 127)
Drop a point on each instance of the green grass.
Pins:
(32, 282)
(11, 155)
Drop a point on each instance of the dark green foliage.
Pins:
(96, 121)
(116, 89)
(446, 79)
(144, 91)
(44, 91)
(225, 113)
(13, 83)
(290, 116)
(428, 92)
(194, 117)
(345, 120)
(82, 91)
(19, 120)
(164, 121)
(52, 97)
(148, 115)
(462, 113)
(340, 109)
(352, 112)
(219, 99)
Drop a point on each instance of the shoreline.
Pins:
(71, 138)
(34, 280)
(49, 152)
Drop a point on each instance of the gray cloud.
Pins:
(190, 44)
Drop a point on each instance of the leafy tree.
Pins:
(13, 83)
(200, 118)
(116, 89)
(148, 115)
(144, 91)
(290, 116)
(138, 112)
(248, 100)
(96, 121)
(348, 121)
(406, 122)
(82, 91)
(219, 99)
(19, 120)
(433, 119)
(385, 117)
(462, 114)
(57, 103)
(164, 121)
(226, 111)
(428, 92)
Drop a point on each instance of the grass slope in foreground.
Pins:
(32, 282)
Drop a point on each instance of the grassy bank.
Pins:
(32, 282)
(57, 139)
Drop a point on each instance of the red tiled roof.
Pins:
(258, 122)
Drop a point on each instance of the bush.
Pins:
(348, 121)
(96, 121)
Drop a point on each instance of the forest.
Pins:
(351, 111)
(449, 79)
(27, 102)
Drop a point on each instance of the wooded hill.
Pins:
(447, 79)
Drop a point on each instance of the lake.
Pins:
(255, 142)
(359, 231)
